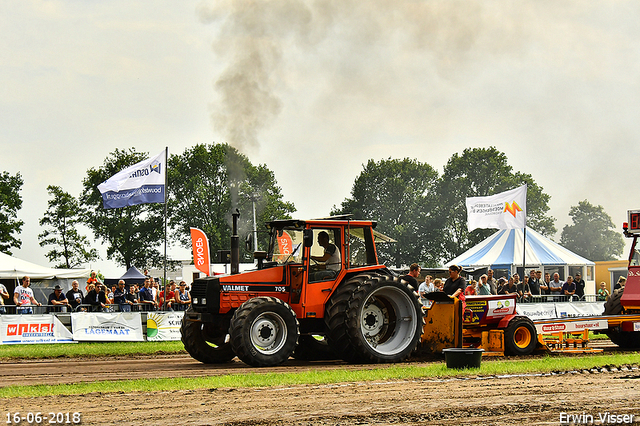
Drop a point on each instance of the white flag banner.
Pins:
(506, 210)
(142, 183)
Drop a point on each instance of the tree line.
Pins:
(423, 210)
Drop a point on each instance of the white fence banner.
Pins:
(111, 327)
(164, 326)
(537, 311)
(579, 309)
(20, 329)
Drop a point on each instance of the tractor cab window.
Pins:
(287, 246)
(635, 259)
(326, 255)
(361, 251)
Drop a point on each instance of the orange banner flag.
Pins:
(200, 244)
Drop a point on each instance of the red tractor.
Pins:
(626, 300)
(319, 291)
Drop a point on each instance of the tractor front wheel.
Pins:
(264, 331)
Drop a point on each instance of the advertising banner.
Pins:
(164, 326)
(506, 210)
(200, 244)
(572, 326)
(537, 311)
(21, 329)
(579, 309)
(107, 327)
(142, 183)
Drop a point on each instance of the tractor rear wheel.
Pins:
(205, 343)
(264, 331)
(384, 320)
(520, 336)
(613, 306)
(625, 339)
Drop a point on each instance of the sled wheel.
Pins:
(520, 336)
(264, 331)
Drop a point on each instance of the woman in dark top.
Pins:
(455, 284)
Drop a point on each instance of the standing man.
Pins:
(120, 297)
(4, 294)
(534, 283)
(493, 284)
(484, 289)
(23, 295)
(580, 285)
(555, 286)
(544, 285)
(146, 296)
(57, 299)
(412, 276)
(426, 287)
(97, 298)
(75, 296)
(569, 288)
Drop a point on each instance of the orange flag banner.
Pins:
(200, 244)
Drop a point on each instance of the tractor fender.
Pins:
(504, 322)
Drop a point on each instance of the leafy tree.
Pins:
(61, 219)
(133, 233)
(481, 172)
(208, 182)
(10, 203)
(593, 234)
(400, 196)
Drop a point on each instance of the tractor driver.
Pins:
(331, 256)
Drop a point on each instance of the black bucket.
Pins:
(463, 357)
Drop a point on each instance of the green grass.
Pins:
(489, 367)
(89, 349)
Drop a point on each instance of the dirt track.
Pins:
(535, 400)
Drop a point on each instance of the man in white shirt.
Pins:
(23, 295)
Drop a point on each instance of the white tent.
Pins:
(13, 268)
(503, 251)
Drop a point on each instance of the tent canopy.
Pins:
(505, 248)
(133, 274)
(13, 268)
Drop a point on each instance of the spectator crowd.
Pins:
(97, 297)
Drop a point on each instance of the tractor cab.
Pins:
(630, 300)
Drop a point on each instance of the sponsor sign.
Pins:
(21, 329)
(164, 326)
(200, 244)
(578, 309)
(506, 210)
(537, 311)
(572, 326)
(142, 183)
(475, 311)
(107, 327)
(501, 308)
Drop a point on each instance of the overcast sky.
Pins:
(314, 89)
